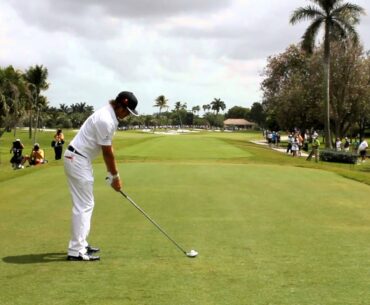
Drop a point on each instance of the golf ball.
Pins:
(193, 253)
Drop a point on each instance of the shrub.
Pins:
(338, 156)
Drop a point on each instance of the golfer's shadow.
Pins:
(35, 258)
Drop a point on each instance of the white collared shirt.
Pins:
(98, 130)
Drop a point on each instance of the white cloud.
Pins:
(189, 50)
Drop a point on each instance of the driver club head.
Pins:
(192, 254)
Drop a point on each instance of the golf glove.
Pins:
(109, 179)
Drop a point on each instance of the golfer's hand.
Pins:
(116, 184)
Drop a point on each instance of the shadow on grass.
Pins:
(35, 258)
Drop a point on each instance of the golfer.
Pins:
(94, 137)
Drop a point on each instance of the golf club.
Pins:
(191, 253)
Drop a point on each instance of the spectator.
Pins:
(338, 145)
(346, 144)
(290, 141)
(58, 144)
(269, 137)
(295, 146)
(273, 139)
(277, 139)
(37, 156)
(300, 143)
(315, 148)
(305, 140)
(362, 149)
(17, 159)
(355, 145)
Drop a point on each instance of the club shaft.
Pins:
(152, 221)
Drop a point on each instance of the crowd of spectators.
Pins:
(36, 157)
(299, 140)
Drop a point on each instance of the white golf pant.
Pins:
(80, 179)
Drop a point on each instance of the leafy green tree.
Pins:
(290, 93)
(214, 120)
(237, 112)
(363, 118)
(293, 91)
(350, 86)
(338, 20)
(258, 114)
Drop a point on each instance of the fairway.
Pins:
(266, 233)
(185, 147)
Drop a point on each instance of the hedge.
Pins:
(338, 156)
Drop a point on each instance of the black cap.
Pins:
(128, 100)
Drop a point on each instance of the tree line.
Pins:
(20, 96)
(22, 103)
(181, 116)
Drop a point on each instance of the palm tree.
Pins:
(217, 104)
(37, 78)
(179, 107)
(64, 108)
(12, 94)
(161, 102)
(206, 107)
(194, 110)
(338, 20)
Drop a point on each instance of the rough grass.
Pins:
(269, 229)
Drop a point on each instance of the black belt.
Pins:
(71, 148)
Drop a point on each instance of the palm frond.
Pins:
(327, 5)
(309, 37)
(345, 30)
(305, 13)
(348, 11)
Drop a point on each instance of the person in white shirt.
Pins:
(338, 145)
(362, 149)
(94, 137)
(295, 146)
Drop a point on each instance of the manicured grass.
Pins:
(269, 229)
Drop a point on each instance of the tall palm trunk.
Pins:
(328, 143)
(36, 125)
(30, 125)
